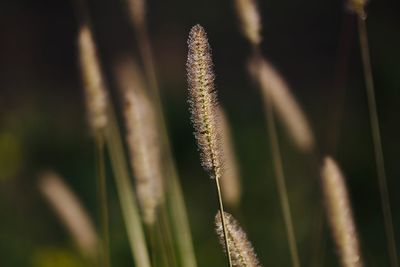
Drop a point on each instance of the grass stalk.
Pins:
(126, 194)
(174, 195)
(203, 106)
(102, 199)
(179, 221)
(221, 210)
(281, 184)
(377, 142)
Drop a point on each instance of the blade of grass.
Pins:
(126, 195)
(281, 184)
(377, 142)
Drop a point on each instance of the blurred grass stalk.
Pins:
(126, 194)
(144, 146)
(71, 213)
(96, 103)
(103, 121)
(340, 214)
(230, 181)
(359, 8)
(174, 196)
(275, 96)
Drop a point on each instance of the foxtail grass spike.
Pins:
(143, 139)
(230, 181)
(203, 101)
(204, 114)
(340, 215)
(70, 211)
(250, 21)
(242, 251)
(95, 91)
(275, 88)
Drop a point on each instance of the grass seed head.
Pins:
(203, 101)
(241, 250)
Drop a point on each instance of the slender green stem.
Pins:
(165, 253)
(102, 196)
(167, 237)
(281, 184)
(179, 221)
(221, 210)
(380, 163)
(126, 194)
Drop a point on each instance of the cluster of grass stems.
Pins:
(140, 149)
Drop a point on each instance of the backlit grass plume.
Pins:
(340, 214)
(203, 101)
(274, 88)
(204, 111)
(250, 21)
(242, 251)
(142, 138)
(95, 91)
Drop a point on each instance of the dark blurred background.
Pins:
(314, 44)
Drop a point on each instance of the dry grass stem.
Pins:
(275, 88)
(230, 181)
(142, 138)
(242, 251)
(340, 214)
(95, 91)
(250, 21)
(70, 211)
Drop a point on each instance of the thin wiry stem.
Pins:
(102, 196)
(281, 184)
(380, 163)
(221, 210)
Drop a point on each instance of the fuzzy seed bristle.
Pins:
(242, 251)
(203, 101)
(230, 181)
(67, 206)
(250, 21)
(275, 89)
(95, 91)
(340, 214)
(143, 139)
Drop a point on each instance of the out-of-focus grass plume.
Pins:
(142, 135)
(70, 212)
